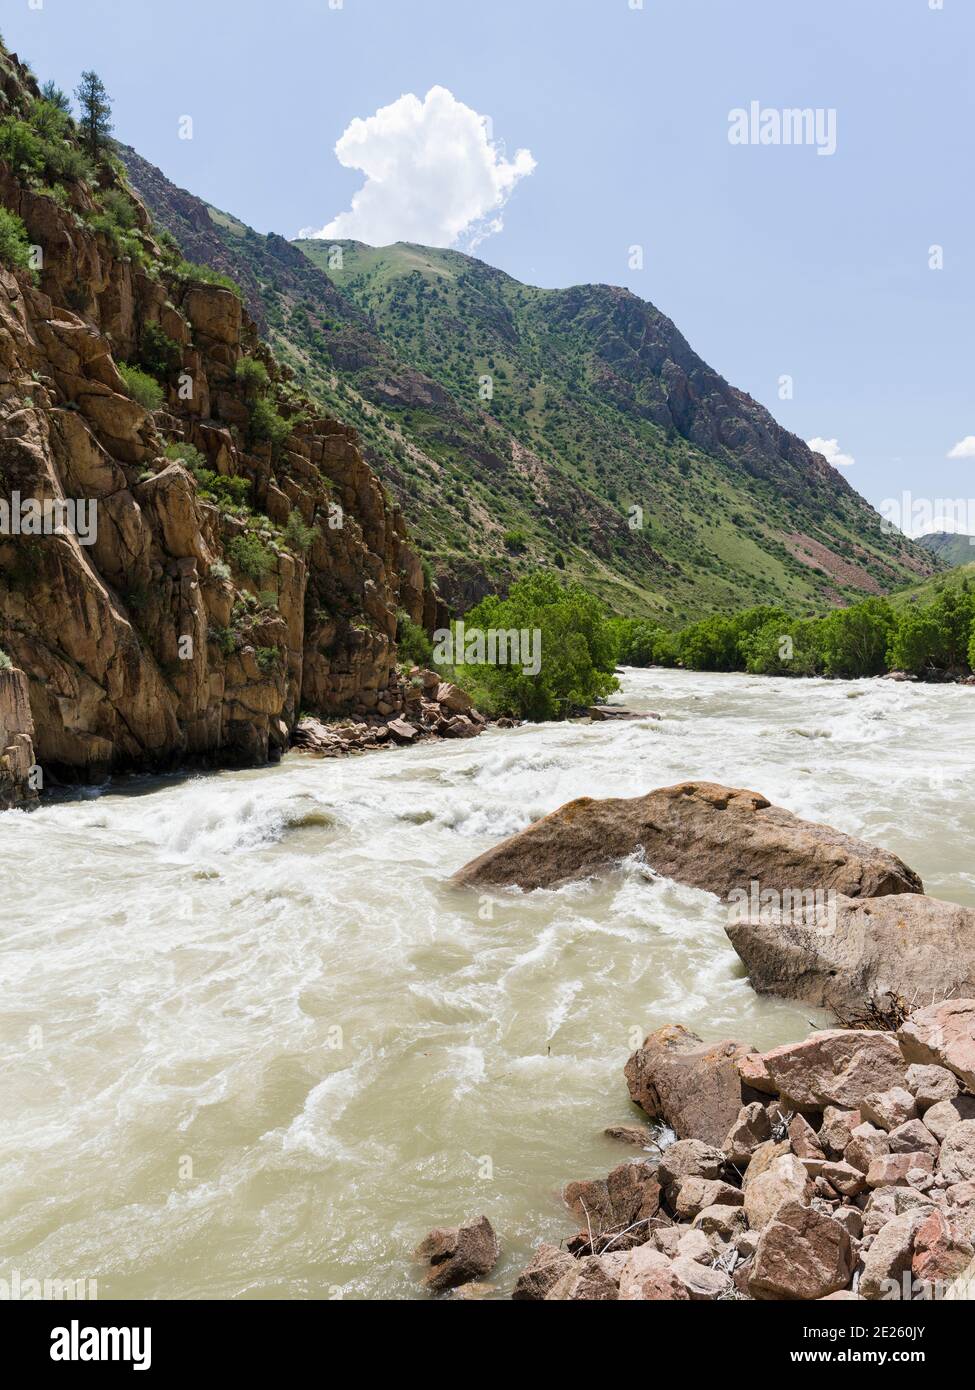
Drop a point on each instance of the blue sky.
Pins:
(771, 259)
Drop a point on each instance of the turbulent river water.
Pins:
(254, 1045)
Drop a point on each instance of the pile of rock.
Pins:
(842, 1166)
(421, 706)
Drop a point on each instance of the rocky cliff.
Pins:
(238, 560)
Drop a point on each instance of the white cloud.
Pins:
(830, 450)
(433, 175)
(964, 449)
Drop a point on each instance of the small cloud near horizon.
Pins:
(964, 449)
(433, 175)
(830, 450)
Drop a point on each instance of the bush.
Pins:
(577, 654)
(120, 208)
(268, 658)
(141, 387)
(202, 274)
(252, 375)
(21, 147)
(297, 535)
(14, 244)
(5, 663)
(267, 425)
(412, 643)
(187, 454)
(516, 542)
(159, 354)
(218, 570)
(251, 556)
(935, 637)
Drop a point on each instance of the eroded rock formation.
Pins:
(186, 629)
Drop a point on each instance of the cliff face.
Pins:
(192, 617)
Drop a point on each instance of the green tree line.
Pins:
(935, 639)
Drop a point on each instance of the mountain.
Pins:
(192, 551)
(519, 428)
(951, 547)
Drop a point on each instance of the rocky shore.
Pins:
(839, 1167)
(419, 707)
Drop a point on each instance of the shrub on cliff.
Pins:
(5, 663)
(252, 375)
(14, 245)
(298, 536)
(159, 354)
(266, 424)
(569, 640)
(412, 643)
(141, 387)
(251, 556)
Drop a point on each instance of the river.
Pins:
(255, 1046)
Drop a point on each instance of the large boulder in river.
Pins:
(708, 836)
(839, 953)
(695, 1086)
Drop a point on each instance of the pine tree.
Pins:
(52, 93)
(96, 112)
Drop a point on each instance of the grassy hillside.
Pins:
(595, 406)
(950, 547)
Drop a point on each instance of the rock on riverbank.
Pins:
(414, 709)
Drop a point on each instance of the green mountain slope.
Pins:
(950, 547)
(521, 428)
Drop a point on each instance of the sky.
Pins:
(611, 154)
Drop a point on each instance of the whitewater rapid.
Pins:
(254, 1045)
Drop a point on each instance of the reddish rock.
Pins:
(895, 1170)
(945, 1114)
(693, 1085)
(930, 1084)
(547, 1266)
(801, 1254)
(459, 1254)
(943, 1035)
(889, 1256)
(913, 1137)
(888, 1109)
(940, 1252)
(649, 1275)
(957, 1161)
(837, 1128)
(751, 1128)
(837, 1067)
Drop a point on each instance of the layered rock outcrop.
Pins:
(17, 786)
(182, 628)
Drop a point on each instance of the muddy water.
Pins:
(254, 1046)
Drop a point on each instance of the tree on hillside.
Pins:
(52, 93)
(96, 113)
